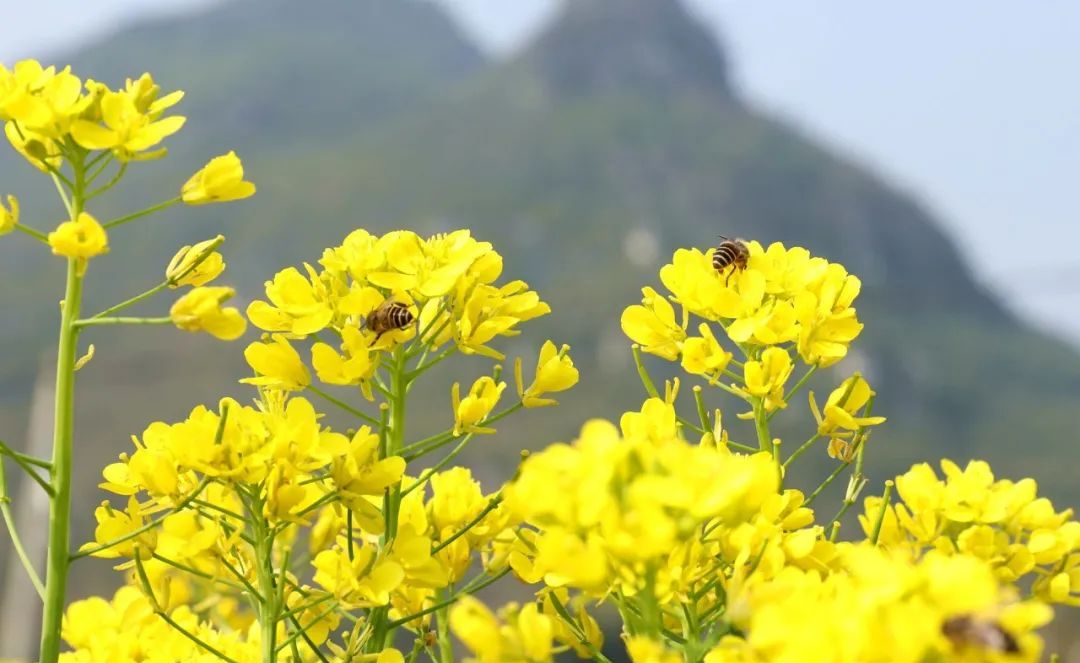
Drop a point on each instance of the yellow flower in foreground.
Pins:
(652, 325)
(842, 405)
(220, 180)
(766, 377)
(526, 635)
(186, 268)
(9, 216)
(476, 406)
(129, 131)
(200, 310)
(82, 238)
(277, 364)
(554, 372)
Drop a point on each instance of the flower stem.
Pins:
(761, 425)
(60, 475)
(141, 213)
(16, 542)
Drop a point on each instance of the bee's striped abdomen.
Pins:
(730, 252)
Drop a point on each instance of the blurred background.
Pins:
(930, 147)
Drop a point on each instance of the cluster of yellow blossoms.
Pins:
(1002, 522)
(258, 533)
(783, 300)
(229, 502)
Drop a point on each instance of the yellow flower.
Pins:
(193, 265)
(366, 580)
(298, 305)
(220, 180)
(277, 364)
(9, 216)
(765, 378)
(476, 406)
(704, 355)
(643, 650)
(129, 131)
(841, 407)
(200, 310)
(554, 372)
(525, 637)
(652, 325)
(82, 238)
(359, 472)
(355, 366)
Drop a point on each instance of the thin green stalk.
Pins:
(99, 322)
(699, 402)
(16, 542)
(802, 449)
(442, 619)
(798, 385)
(110, 184)
(264, 570)
(643, 373)
(148, 589)
(343, 405)
(145, 528)
(63, 427)
(824, 484)
(492, 504)
(885, 501)
(22, 460)
(36, 234)
(200, 259)
(141, 213)
(761, 425)
(27, 458)
(446, 460)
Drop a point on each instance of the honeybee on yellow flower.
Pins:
(732, 253)
(389, 316)
(969, 631)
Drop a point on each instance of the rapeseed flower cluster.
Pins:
(85, 135)
(258, 532)
(303, 529)
(1020, 535)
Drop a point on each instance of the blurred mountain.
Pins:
(613, 138)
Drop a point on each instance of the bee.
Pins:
(731, 253)
(966, 630)
(389, 316)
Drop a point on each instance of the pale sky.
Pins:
(972, 105)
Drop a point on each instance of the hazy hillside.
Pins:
(612, 139)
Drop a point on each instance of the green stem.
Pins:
(643, 373)
(491, 506)
(885, 500)
(26, 458)
(36, 234)
(99, 322)
(25, 465)
(269, 609)
(343, 405)
(761, 425)
(16, 542)
(699, 402)
(141, 213)
(148, 589)
(798, 385)
(446, 645)
(110, 184)
(802, 449)
(63, 427)
(164, 284)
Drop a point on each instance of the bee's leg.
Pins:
(728, 277)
